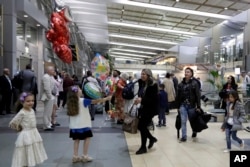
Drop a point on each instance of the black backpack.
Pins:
(128, 91)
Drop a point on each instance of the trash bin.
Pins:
(248, 90)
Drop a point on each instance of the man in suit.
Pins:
(5, 92)
(47, 97)
(29, 82)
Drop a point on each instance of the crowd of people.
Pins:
(154, 97)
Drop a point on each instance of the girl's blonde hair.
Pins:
(73, 101)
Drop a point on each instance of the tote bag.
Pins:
(130, 123)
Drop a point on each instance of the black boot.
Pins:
(141, 151)
(151, 143)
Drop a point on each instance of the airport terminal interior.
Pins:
(103, 37)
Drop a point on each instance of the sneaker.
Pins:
(76, 159)
(242, 145)
(182, 140)
(226, 151)
(164, 125)
(86, 158)
(159, 125)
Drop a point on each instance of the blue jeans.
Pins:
(234, 136)
(162, 116)
(186, 113)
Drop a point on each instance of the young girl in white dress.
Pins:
(80, 121)
(29, 150)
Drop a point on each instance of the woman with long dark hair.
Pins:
(148, 98)
(227, 87)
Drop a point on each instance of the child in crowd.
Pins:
(29, 150)
(233, 121)
(163, 104)
(80, 121)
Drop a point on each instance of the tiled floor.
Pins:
(110, 147)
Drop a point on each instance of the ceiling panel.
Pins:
(151, 17)
(186, 6)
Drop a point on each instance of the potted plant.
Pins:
(215, 80)
(217, 83)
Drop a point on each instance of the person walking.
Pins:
(233, 120)
(148, 98)
(188, 102)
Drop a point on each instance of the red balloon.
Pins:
(56, 15)
(62, 40)
(59, 36)
(50, 35)
(64, 53)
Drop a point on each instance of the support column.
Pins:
(246, 47)
(9, 36)
(215, 43)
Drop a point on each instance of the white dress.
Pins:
(29, 150)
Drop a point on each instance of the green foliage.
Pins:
(215, 80)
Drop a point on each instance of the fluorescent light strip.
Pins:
(133, 55)
(150, 28)
(132, 58)
(136, 46)
(142, 39)
(173, 9)
(124, 59)
(132, 51)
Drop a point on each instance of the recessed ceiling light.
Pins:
(177, 0)
(25, 15)
(225, 8)
(123, 10)
(38, 25)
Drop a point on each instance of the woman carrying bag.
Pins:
(148, 97)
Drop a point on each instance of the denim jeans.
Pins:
(187, 112)
(234, 136)
(162, 116)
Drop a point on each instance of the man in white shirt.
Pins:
(47, 86)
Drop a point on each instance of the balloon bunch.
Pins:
(59, 34)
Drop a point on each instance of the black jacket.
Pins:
(150, 100)
(188, 92)
(5, 86)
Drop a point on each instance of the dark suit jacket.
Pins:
(5, 86)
